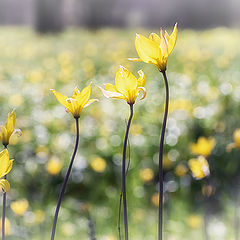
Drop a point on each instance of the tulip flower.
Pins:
(203, 146)
(127, 86)
(156, 48)
(5, 168)
(78, 101)
(199, 167)
(74, 105)
(8, 130)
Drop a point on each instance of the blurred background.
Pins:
(61, 44)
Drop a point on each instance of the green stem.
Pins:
(65, 181)
(124, 173)
(160, 209)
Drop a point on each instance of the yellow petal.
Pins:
(76, 92)
(4, 162)
(84, 96)
(147, 50)
(125, 81)
(109, 94)
(142, 79)
(4, 185)
(135, 59)
(163, 45)
(172, 40)
(9, 166)
(143, 91)
(61, 98)
(10, 123)
(90, 102)
(110, 87)
(155, 38)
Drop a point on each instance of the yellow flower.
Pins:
(7, 130)
(19, 207)
(127, 86)
(203, 146)
(199, 167)
(77, 102)
(194, 221)
(181, 170)
(54, 166)
(146, 174)
(155, 49)
(236, 137)
(98, 164)
(5, 168)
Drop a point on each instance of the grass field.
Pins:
(204, 76)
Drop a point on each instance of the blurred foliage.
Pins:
(204, 75)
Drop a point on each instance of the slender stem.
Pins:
(65, 181)
(124, 172)
(91, 227)
(4, 209)
(160, 209)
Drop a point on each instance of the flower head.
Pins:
(19, 207)
(203, 146)
(199, 167)
(155, 49)
(127, 86)
(7, 130)
(77, 102)
(5, 168)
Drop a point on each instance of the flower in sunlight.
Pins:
(7, 226)
(127, 86)
(19, 207)
(204, 146)
(5, 168)
(194, 221)
(8, 130)
(146, 174)
(78, 101)
(54, 166)
(156, 48)
(199, 167)
(98, 164)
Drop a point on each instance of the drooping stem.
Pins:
(65, 181)
(160, 209)
(124, 173)
(4, 209)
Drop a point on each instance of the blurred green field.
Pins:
(204, 76)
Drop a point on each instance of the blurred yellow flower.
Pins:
(181, 170)
(19, 207)
(7, 130)
(7, 226)
(207, 190)
(68, 229)
(155, 199)
(136, 129)
(199, 167)
(127, 86)
(194, 221)
(5, 168)
(77, 102)
(155, 49)
(39, 216)
(16, 100)
(98, 164)
(167, 163)
(236, 143)
(54, 165)
(146, 174)
(203, 146)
